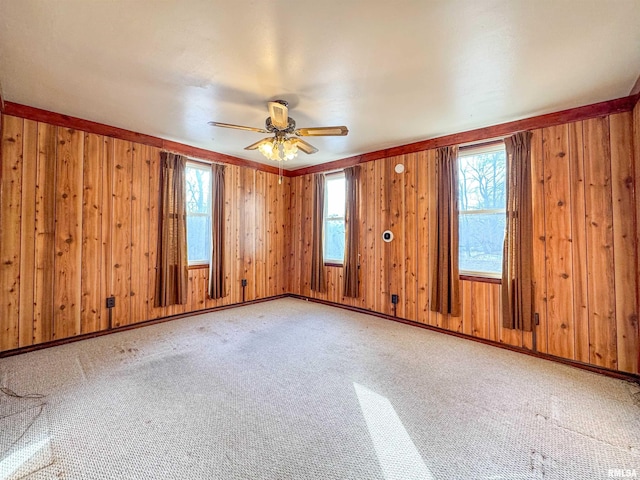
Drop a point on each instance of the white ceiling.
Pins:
(394, 72)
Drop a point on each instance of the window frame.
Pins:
(199, 165)
(467, 151)
(331, 262)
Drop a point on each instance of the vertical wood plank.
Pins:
(140, 233)
(636, 176)
(27, 232)
(10, 211)
(601, 288)
(307, 234)
(121, 231)
(578, 241)
(248, 230)
(623, 240)
(272, 237)
(539, 248)
(558, 241)
(368, 263)
(396, 266)
(410, 238)
(422, 182)
(45, 234)
(92, 197)
(261, 228)
(284, 246)
(434, 318)
(382, 248)
(106, 272)
(68, 237)
(479, 306)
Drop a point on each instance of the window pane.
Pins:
(334, 240)
(334, 218)
(198, 192)
(198, 238)
(335, 196)
(482, 181)
(481, 237)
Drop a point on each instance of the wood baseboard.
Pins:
(85, 336)
(573, 363)
(631, 377)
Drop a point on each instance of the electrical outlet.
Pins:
(244, 282)
(394, 299)
(111, 302)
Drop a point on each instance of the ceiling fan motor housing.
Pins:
(291, 127)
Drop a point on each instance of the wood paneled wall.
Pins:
(584, 251)
(78, 223)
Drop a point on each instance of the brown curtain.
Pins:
(318, 282)
(216, 265)
(352, 231)
(172, 268)
(517, 268)
(445, 292)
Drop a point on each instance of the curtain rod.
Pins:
(484, 143)
(197, 160)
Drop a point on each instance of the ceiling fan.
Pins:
(282, 146)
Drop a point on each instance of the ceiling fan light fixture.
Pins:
(283, 147)
(279, 149)
(289, 149)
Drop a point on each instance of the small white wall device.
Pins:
(387, 236)
(399, 168)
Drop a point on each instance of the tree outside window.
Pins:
(481, 204)
(198, 191)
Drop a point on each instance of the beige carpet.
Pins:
(291, 389)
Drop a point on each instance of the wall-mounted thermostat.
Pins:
(387, 236)
(399, 168)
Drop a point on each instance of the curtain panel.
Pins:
(217, 287)
(517, 266)
(318, 282)
(172, 275)
(445, 291)
(352, 232)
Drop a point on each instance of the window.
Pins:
(334, 201)
(481, 202)
(198, 177)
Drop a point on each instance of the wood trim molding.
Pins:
(473, 278)
(573, 363)
(86, 336)
(635, 90)
(609, 107)
(584, 366)
(39, 115)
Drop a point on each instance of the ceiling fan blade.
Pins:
(304, 146)
(322, 131)
(279, 114)
(254, 146)
(238, 127)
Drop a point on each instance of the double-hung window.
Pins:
(334, 210)
(198, 191)
(482, 206)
